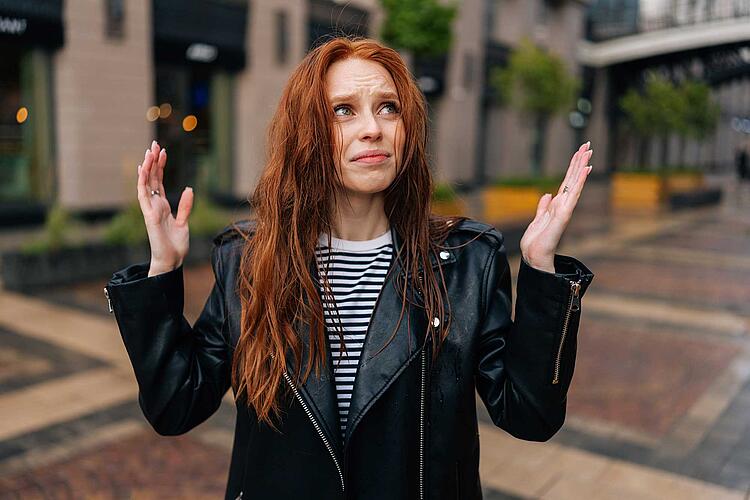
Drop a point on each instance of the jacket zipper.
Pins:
(109, 303)
(422, 423)
(422, 397)
(317, 427)
(574, 304)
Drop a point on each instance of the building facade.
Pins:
(86, 84)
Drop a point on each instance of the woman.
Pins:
(352, 325)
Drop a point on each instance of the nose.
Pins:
(370, 128)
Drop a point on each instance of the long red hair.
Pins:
(292, 205)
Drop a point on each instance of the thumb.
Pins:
(544, 202)
(185, 206)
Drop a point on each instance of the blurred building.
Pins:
(704, 40)
(85, 85)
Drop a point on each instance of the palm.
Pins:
(168, 235)
(539, 242)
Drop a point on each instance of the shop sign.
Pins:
(13, 25)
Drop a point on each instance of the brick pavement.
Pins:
(659, 406)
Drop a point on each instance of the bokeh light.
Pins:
(22, 114)
(189, 123)
(152, 114)
(165, 110)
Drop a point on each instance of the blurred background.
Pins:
(660, 403)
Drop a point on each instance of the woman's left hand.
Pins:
(539, 242)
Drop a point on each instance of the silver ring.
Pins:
(154, 191)
(566, 189)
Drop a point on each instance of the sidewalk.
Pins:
(659, 406)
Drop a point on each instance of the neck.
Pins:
(360, 217)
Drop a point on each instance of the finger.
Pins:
(144, 200)
(542, 206)
(576, 191)
(185, 206)
(153, 179)
(161, 163)
(155, 148)
(584, 162)
(571, 167)
(575, 162)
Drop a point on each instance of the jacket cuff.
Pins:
(555, 285)
(131, 289)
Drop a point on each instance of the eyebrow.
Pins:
(350, 97)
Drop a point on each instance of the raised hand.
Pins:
(168, 236)
(539, 242)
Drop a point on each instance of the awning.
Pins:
(200, 32)
(23, 22)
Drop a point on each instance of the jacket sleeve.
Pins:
(525, 365)
(182, 371)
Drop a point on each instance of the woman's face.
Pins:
(368, 129)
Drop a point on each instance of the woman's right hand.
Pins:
(168, 236)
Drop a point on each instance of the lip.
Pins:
(371, 155)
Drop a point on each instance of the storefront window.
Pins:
(195, 124)
(25, 125)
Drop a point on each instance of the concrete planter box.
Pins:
(449, 207)
(26, 272)
(684, 182)
(637, 192)
(653, 192)
(510, 203)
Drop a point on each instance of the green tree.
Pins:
(536, 82)
(700, 112)
(420, 27)
(655, 112)
(663, 108)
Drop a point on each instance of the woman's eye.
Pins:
(392, 105)
(345, 110)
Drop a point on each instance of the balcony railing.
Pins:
(609, 19)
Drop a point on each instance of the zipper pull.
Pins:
(109, 302)
(575, 288)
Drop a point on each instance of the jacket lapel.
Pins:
(319, 392)
(379, 368)
(376, 370)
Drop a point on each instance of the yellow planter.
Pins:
(637, 192)
(448, 208)
(502, 203)
(683, 182)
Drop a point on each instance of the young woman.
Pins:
(353, 326)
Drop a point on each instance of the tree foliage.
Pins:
(535, 81)
(663, 108)
(422, 27)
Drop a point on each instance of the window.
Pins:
(282, 38)
(115, 21)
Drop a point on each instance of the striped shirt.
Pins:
(356, 272)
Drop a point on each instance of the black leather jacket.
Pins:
(412, 430)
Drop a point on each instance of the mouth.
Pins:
(372, 157)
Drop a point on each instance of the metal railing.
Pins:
(609, 19)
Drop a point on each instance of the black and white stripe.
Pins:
(356, 271)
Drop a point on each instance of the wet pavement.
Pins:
(659, 406)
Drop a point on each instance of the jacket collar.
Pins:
(376, 370)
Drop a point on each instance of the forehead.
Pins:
(358, 77)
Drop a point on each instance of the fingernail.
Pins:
(188, 187)
(153, 143)
(588, 143)
(147, 151)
